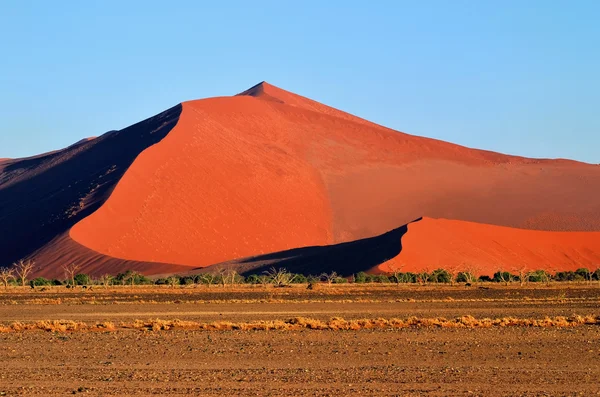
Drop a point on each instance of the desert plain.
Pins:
(371, 339)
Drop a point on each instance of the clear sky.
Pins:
(520, 77)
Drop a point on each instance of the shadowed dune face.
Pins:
(42, 197)
(345, 259)
(269, 171)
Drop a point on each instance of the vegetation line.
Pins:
(299, 323)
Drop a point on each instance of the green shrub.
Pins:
(465, 277)
(299, 279)
(440, 276)
(503, 277)
(40, 281)
(253, 279)
(82, 279)
(362, 277)
(539, 276)
(568, 276)
(380, 278)
(584, 273)
(187, 280)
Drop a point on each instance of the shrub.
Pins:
(568, 276)
(82, 279)
(187, 280)
(485, 279)
(380, 278)
(253, 279)
(40, 281)
(362, 277)
(584, 273)
(299, 279)
(465, 277)
(539, 276)
(160, 281)
(408, 277)
(440, 276)
(596, 275)
(57, 282)
(312, 279)
(503, 277)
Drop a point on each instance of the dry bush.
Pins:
(298, 323)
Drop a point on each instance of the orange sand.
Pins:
(430, 244)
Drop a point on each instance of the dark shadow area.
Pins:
(345, 258)
(42, 197)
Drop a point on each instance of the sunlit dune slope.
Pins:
(268, 171)
(485, 249)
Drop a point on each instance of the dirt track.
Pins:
(425, 361)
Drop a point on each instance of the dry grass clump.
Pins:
(298, 323)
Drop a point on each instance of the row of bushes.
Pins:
(282, 277)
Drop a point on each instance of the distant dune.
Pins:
(267, 171)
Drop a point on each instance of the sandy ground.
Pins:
(391, 362)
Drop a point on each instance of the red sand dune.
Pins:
(484, 249)
(269, 171)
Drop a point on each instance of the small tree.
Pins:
(441, 276)
(524, 274)
(106, 280)
(280, 277)
(362, 277)
(466, 277)
(396, 272)
(172, 281)
(6, 276)
(452, 272)
(70, 271)
(329, 277)
(504, 277)
(207, 278)
(585, 274)
(23, 269)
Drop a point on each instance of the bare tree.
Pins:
(6, 275)
(469, 276)
(505, 277)
(23, 269)
(524, 274)
(106, 280)
(396, 272)
(452, 272)
(279, 277)
(70, 271)
(329, 277)
(472, 274)
(424, 276)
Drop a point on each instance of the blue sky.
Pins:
(520, 77)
